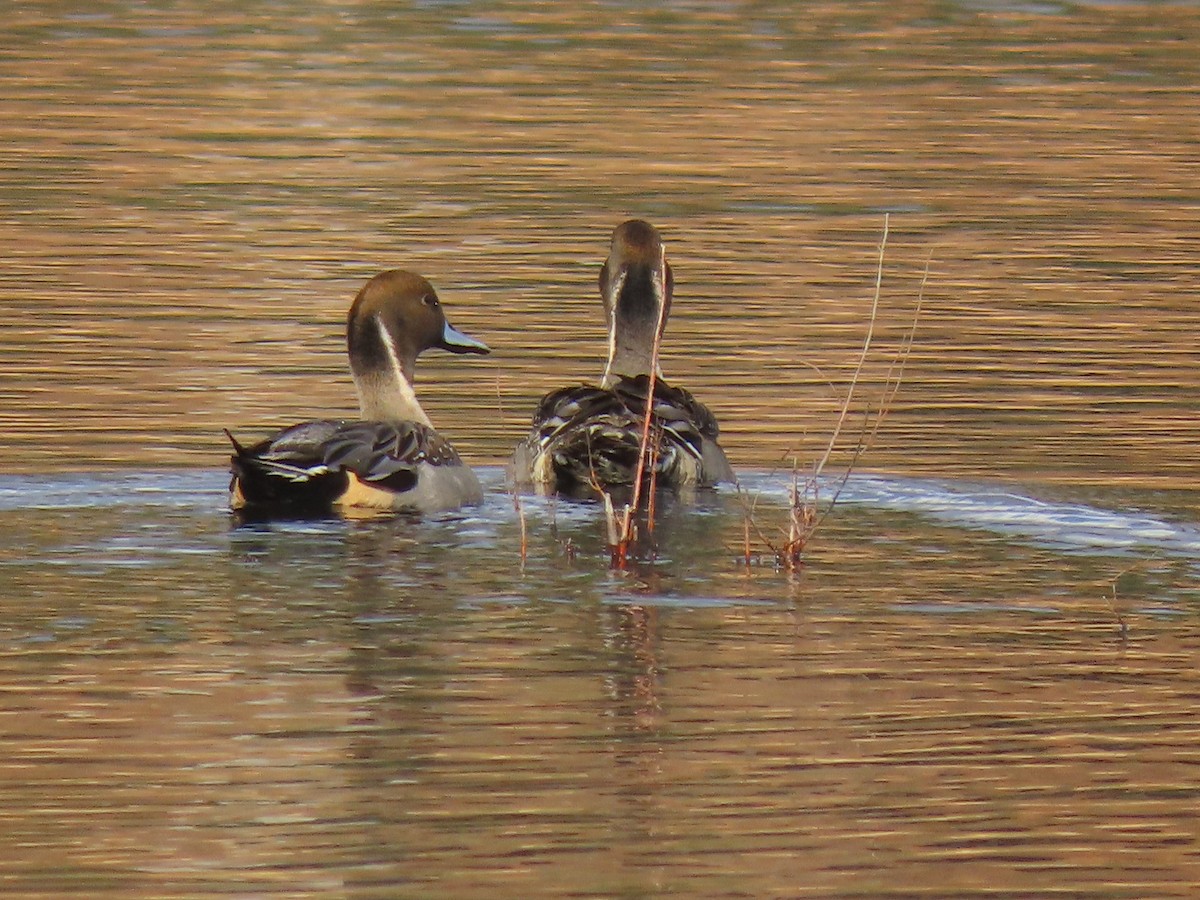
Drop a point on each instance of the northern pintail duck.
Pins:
(391, 458)
(587, 436)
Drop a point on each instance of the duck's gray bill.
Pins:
(457, 342)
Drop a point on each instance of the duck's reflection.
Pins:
(487, 702)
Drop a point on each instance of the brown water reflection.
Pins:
(937, 706)
(385, 708)
(391, 707)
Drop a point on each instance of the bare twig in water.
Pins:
(891, 387)
(615, 536)
(862, 357)
(802, 513)
(647, 455)
(1113, 604)
(795, 544)
(749, 523)
(794, 537)
(806, 513)
(651, 499)
(520, 511)
(614, 527)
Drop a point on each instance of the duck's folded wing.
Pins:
(376, 452)
(620, 410)
(672, 405)
(316, 462)
(570, 407)
(693, 425)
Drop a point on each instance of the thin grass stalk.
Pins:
(791, 547)
(1113, 603)
(862, 358)
(892, 382)
(651, 384)
(895, 372)
(749, 522)
(749, 506)
(652, 500)
(644, 442)
(803, 517)
(614, 533)
(516, 499)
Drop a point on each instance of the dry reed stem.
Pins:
(749, 523)
(620, 548)
(895, 372)
(651, 500)
(1123, 626)
(803, 519)
(514, 489)
(804, 514)
(862, 357)
(613, 533)
(891, 387)
(748, 508)
(794, 544)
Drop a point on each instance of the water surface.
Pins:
(981, 682)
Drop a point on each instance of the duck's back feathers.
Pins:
(327, 464)
(584, 436)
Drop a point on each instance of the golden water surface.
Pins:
(191, 200)
(190, 196)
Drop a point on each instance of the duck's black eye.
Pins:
(430, 300)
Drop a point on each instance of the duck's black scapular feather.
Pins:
(593, 434)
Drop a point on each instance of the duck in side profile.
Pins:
(586, 437)
(391, 458)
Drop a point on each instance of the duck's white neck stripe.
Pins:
(614, 292)
(642, 357)
(408, 408)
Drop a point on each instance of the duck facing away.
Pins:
(586, 437)
(391, 458)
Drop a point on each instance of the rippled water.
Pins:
(981, 683)
(950, 689)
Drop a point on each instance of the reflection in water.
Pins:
(392, 702)
(634, 683)
(941, 702)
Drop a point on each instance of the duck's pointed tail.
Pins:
(237, 448)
